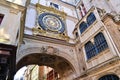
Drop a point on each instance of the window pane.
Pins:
(54, 5)
(83, 27)
(91, 18)
(1, 18)
(19, 2)
(93, 49)
(90, 50)
(109, 77)
(34, 1)
(100, 42)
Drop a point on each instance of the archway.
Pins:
(59, 64)
(36, 72)
(109, 77)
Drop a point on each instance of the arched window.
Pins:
(90, 50)
(83, 27)
(54, 5)
(99, 45)
(91, 18)
(100, 42)
(1, 18)
(109, 77)
(76, 34)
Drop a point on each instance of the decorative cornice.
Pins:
(12, 5)
(67, 3)
(41, 9)
(37, 31)
(7, 47)
(14, 11)
(116, 18)
(102, 66)
(49, 39)
(90, 10)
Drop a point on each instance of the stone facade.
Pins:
(107, 61)
(70, 58)
(10, 18)
(68, 39)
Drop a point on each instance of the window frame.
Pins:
(109, 77)
(91, 18)
(54, 5)
(96, 46)
(89, 21)
(1, 18)
(90, 51)
(100, 43)
(83, 26)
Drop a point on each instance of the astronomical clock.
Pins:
(50, 23)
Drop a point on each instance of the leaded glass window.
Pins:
(90, 50)
(1, 18)
(54, 5)
(91, 18)
(100, 42)
(83, 27)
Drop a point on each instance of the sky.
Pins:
(20, 73)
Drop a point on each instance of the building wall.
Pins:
(41, 72)
(109, 6)
(35, 73)
(105, 62)
(32, 72)
(19, 2)
(8, 26)
(32, 17)
(91, 69)
(97, 66)
(113, 29)
(10, 19)
(115, 5)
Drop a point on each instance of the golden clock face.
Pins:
(51, 22)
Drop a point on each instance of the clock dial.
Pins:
(51, 22)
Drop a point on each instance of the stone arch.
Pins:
(48, 51)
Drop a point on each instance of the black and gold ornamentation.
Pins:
(51, 22)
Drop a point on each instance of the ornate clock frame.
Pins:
(50, 23)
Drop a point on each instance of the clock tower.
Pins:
(50, 23)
